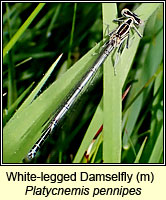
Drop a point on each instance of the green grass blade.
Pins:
(98, 143)
(145, 10)
(140, 151)
(71, 36)
(14, 106)
(24, 128)
(92, 129)
(158, 149)
(55, 15)
(151, 58)
(112, 101)
(40, 84)
(151, 80)
(12, 91)
(22, 29)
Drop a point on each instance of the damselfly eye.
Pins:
(137, 21)
(125, 12)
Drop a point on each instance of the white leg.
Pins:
(120, 19)
(127, 43)
(118, 53)
(139, 34)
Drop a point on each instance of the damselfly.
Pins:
(116, 39)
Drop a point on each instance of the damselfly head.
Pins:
(127, 13)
